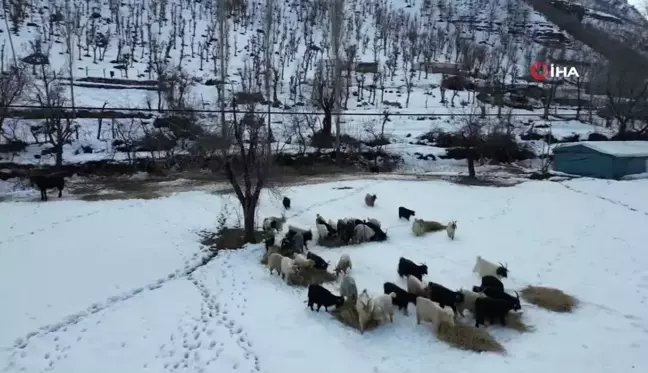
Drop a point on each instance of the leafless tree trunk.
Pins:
(12, 87)
(337, 25)
(68, 31)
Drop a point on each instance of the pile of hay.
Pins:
(515, 322)
(308, 276)
(549, 298)
(420, 227)
(331, 241)
(348, 315)
(468, 337)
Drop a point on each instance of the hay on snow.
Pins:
(307, 276)
(468, 337)
(348, 315)
(549, 298)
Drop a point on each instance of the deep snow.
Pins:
(119, 267)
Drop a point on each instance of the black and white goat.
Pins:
(405, 213)
(407, 267)
(402, 299)
(320, 296)
(444, 296)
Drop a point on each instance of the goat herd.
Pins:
(489, 301)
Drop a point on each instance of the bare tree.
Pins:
(625, 107)
(58, 126)
(248, 163)
(337, 25)
(471, 136)
(12, 87)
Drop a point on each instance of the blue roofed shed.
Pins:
(602, 159)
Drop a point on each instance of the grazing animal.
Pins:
(322, 231)
(469, 301)
(451, 228)
(416, 287)
(302, 262)
(420, 227)
(320, 296)
(319, 262)
(274, 262)
(273, 222)
(383, 307)
(286, 203)
(428, 311)
(402, 299)
(444, 296)
(374, 222)
(502, 295)
(407, 267)
(43, 183)
(485, 268)
(364, 306)
(405, 213)
(490, 282)
(492, 309)
(378, 235)
(362, 233)
(370, 200)
(348, 289)
(306, 234)
(270, 238)
(298, 242)
(343, 265)
(345, 230)
(288, 268)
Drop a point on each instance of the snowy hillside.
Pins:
(132, 60)
(120, 286)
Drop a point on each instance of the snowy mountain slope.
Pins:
(133, 311)
(121, 50)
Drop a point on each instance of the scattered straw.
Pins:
(467, 337)
(549, 298)
(308, 276)
(348, 315)
(433, 226)
(514, 320)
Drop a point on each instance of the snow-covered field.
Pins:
(103, 286)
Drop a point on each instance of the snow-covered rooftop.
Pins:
(615, 148)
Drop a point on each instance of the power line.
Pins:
(231, 111)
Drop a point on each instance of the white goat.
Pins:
(451, 228)
(383, 307)
(343, 265)
(278, 221)
(485, 268)
(348, 289)
(288, 268)
(374, 221)
(274, 262)
(322, 230)
(364, 306)
(415, 286)
(469, 301)
(428, 311)
(362, 233)
(302, 262)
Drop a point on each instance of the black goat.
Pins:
(407, 267)
(502, 295)
(379, 234)
(269, 241)
(444, 296)
(286, 203)
(492, 309)
(403, 298)
(48, 182)
(345, 230)
(489, 281)
(405, 213)
(319, 262)
(320, 296)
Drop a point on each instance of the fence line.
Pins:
(261, 111)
